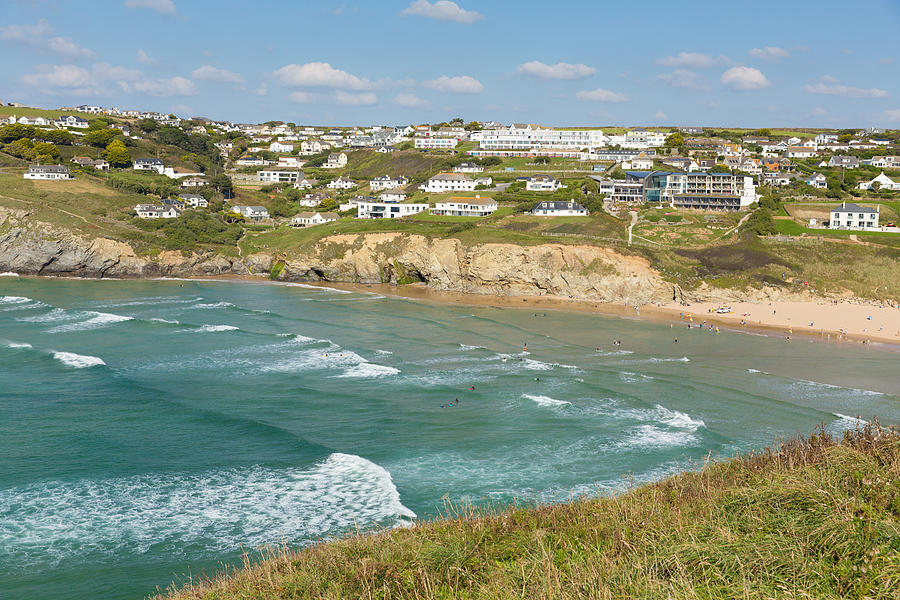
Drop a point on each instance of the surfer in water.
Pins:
(525, 347)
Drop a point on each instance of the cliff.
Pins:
(585, 272)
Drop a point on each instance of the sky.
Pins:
(791, 63)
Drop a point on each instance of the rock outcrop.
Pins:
(583, 272)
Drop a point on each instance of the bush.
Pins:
(195, 227)
(760, 223)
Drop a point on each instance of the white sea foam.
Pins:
(379, 351)
(367, 369)
(78, 361)
(629, 377)
(852, 420)
(753, 371)
(96, 321)
(613, 352)
(650, 436)
(54, 316)
(466, 347)
(213, 305)
(828, 386)
(14, 299)
(214, 328)
(18, 345)
(9, 274)
(318, 287)
(674, 418)
(196, 513)
(659, 360)
(545, 400)
(169, 321)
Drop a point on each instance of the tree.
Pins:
(117, 154)
(100, 137)
(58, 136)
(148, 125)
(43, 149)
(16, 131)
(676, 140)
(760, 223)
(23, 148)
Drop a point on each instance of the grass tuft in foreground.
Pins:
(814, 517)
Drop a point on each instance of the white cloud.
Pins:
(60, 76)
(144, 58)
(164, 88)
(462, 84)
(744, 79)
(320, 74)
(892, 115)
(769, 53)
(442, 10)
(163, 7)
(26, 33)
(819, 112)
(685, 78)
(660, 115)
(696, 60)
(107, 72)
(836, 89)
(262, 90)
(410, 100)
(601, 95)
(828, 79)
(211, 73)
(302, 97)
(361, 99)
(37, 35)
(560, 70)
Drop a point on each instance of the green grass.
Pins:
(50, 113)
(811, 518)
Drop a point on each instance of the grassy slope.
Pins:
(811, 519)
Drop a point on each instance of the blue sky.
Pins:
(782, 64)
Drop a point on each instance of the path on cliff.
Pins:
(634, 219)
(56, 208)
(739, 223)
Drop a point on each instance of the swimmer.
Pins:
(525, 347)
(472, 388)
(676, 340)
(537, 379)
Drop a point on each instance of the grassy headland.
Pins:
(810, 518)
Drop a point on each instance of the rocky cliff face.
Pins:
(584, 272)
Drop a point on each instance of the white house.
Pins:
(290, 162)
(148, 164)
(251, 161)
(525, 137)
(799, 152)
(394, 195)
(36, 121)
(853, 216)
(155, 211)
(305, 183)
(387, 210)
(468, 167)
(816, 180)
(884, 182)
(254, 213)
(305, 219)
(71, 121)
(826, 138)
(84, 161)
(179, 173)
(54, 172)
(191, 182)
(449, 182)
(341, 183)
(194, 200)
(88, 108)
(279, 146)
(386, 182)
(457, 206)
(642, 162)
(884, 162)
(279, 176)
(542, 183)
(336, 161)
(435, 143)
(559, 208)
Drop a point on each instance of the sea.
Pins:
(155, 431)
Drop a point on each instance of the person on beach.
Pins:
(525, 347)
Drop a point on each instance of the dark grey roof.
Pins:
(558, 205)
(850, 207)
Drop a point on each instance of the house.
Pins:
(777, 178)
(194, 200)
(699, 190)
(845, 162)
(853, 216)
(36, 121)
(352, 203)
(691, 130)
(816, 180)
(826, 138)
(148, 164)
(882, 182)
(192, 182)
(794, 141)
(775, 164)
(449, 182)
(274, 176)
(642, 162)
(155, 211)
(336, 161)
(386, 182)
(341, 183)
(456, 206)
(84, 161)
(311, 147)
(387, 210)
(53, 172)
(884, 162)
(394, 195)
(451, 132)
(542, 183)
(251, 161)
(88, 108)
(705, 164)
(179, 173)
(685, 164)
(305, 219)
(468, 167)
(224, 147)
(254, 213)
(559, 208)
(305, 183)
(71, 121)
(386, 149)
(750, 165)
(799, 152)
(290, 162)
(279, 146)
(630, 190)
(435, 143)
(754, 140)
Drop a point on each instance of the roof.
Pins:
(558, 205)
(464, 200)
(850, 207)
(330, 215)
(452, 177)
(48, 169)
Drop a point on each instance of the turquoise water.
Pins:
(152, 429)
